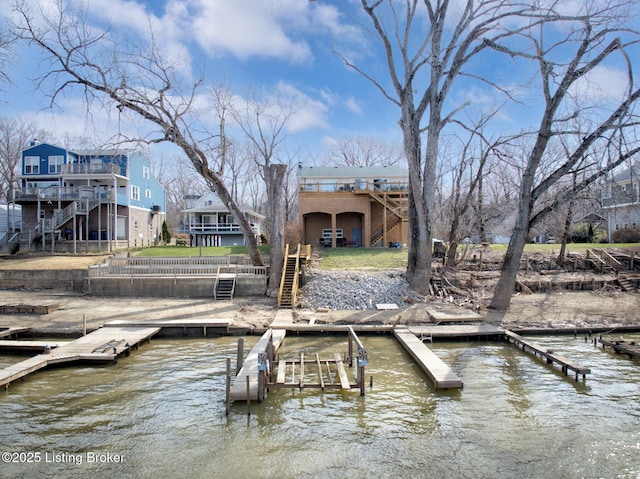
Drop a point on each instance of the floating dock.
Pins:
(535, 348)
(102, 345)
(441, 375)
(621, 346)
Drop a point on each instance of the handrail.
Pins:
(296, 273)
(284, 271)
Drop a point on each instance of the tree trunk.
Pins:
(505, 287)
(452, 250)
(565, 235)
(276, 175)
(419, 255)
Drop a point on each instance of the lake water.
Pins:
(161, 413)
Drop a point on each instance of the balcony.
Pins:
(55, 193)
(361, 185)
(215, 228)
(88, 168)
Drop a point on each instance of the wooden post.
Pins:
(240, 356)
(361, 380)
(84, 324)
(350, 349)
(228, 389)
(248, 396)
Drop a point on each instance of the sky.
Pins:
(247, 45)
(271, 45)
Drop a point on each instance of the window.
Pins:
(145, 172)
(147, 193)
(135, 192)
(55, 163)
(326, 233)
(31, 165)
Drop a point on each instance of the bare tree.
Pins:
(358, 150)
(591, 39)
(427, 46)
(6, 55)
(15, 135)
(136, 78)
(264, 123)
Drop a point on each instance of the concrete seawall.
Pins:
(156, 287)
(65, 279)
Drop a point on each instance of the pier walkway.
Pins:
(441, 375)
(621, 346)
(270, 340)
(565, 363)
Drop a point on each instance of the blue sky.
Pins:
(248, 45)
(267, 45)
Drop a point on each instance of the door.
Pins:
(356, 237)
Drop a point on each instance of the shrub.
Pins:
(626, 236)
(166, 235)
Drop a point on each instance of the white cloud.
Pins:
(248, 28)
(603, 83)
(353, 106)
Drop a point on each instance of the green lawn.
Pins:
(173, 250)
(346, 258)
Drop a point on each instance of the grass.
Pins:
(173, 250)
(345, 258)
(380, 258)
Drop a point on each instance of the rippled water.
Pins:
(163, 410)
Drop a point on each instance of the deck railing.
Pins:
(173, 266)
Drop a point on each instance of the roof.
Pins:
(216, 206)
(628, 173)
(87, 152)
(352, 172)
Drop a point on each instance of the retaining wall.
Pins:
(155, 287)
(66, 280)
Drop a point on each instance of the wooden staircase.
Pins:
(396, 205)
(291, 273)
(379, 234)
(225, 287)
(626, 284)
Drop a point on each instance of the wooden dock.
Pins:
(441, 375)
(250, 366)
(187, 327)
(13, 345)
(621, 346)
(12, 332)
(551, 357)
(102, 345)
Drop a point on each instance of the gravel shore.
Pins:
(354, 290)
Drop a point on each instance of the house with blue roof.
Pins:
(88, 200)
